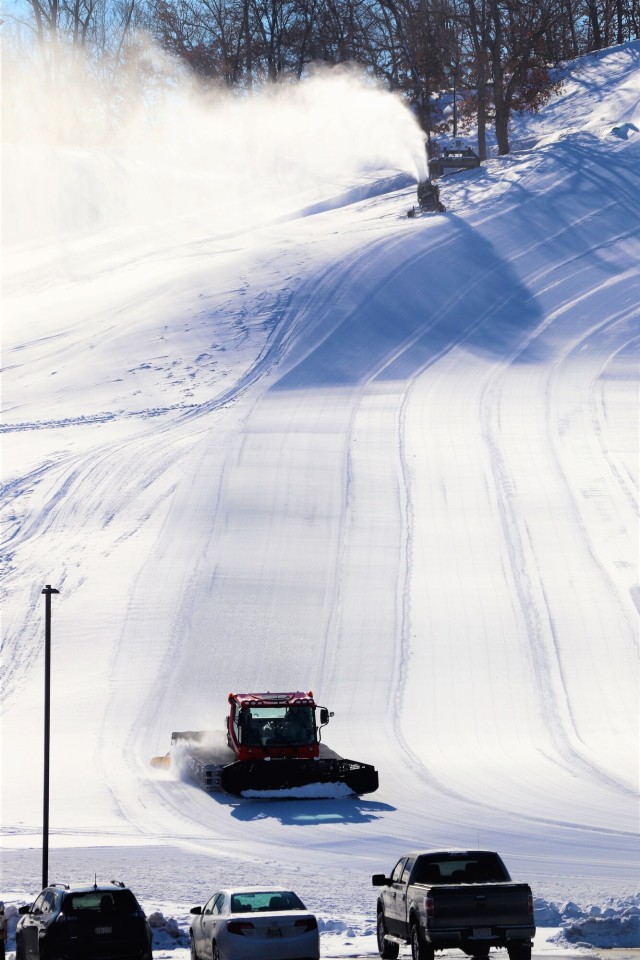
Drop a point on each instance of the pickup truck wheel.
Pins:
(520, 951)
(419, 949)
(387, 949)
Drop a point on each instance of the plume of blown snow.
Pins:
(172, 158)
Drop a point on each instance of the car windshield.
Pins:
(278, 725)
(100, 902)
(274, 900)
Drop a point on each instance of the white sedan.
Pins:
(254, 923)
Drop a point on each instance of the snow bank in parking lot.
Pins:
(550, 914)
(599, 931)
(613, 924)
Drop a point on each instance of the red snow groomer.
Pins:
(272, 745)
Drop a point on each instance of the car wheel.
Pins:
(19, 949)
(419, 949)
(192, 947)
(215, 953)
(520, 951)
(386, 948)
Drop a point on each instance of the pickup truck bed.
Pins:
(437, 900)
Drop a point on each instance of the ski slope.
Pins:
(319, 445)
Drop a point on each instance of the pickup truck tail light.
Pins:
(239, 926)
(429, 906)
(530, 904)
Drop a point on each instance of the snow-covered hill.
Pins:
(265, 432)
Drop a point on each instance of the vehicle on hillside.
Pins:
(83, 923)
(272, 743)
(245, 923)
(453, 156)
(428, 194)
(439, 899)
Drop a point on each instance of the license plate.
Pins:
(274, 932)
(104, 929)
(482, 931)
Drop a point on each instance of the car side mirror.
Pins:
(25, 909)
(196, 910)
(379, 880)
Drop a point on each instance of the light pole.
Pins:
(48, 592)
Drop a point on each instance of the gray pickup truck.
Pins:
(438, 899)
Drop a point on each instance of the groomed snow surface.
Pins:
(265, 432)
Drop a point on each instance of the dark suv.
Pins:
(101, 922)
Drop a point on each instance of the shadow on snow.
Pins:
(405, 302)
(486, 286)
(305, 813)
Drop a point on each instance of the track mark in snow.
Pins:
(529, 578)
